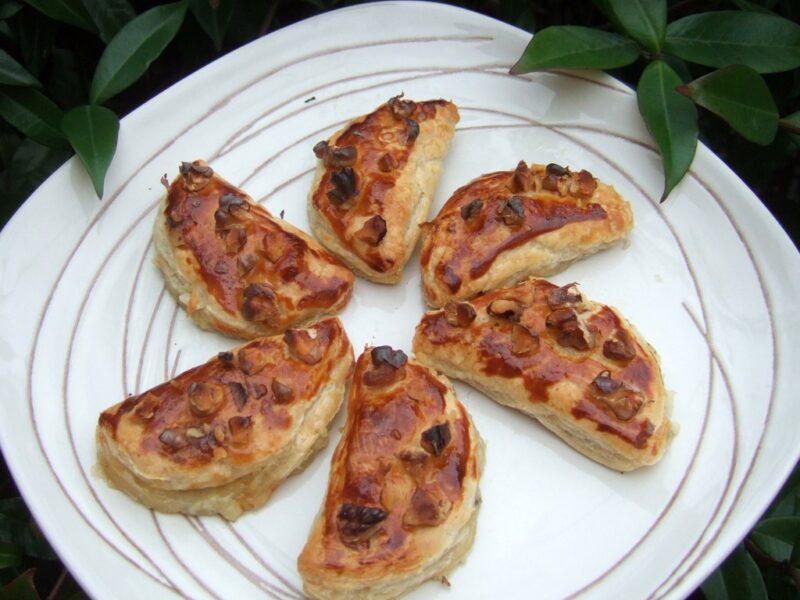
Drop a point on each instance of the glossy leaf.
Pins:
(9, 8)
(792, 124)
(29, 165)
(21, 588)
(134, 48)
(671, 120)
(752, 6)
(777, 536)
(13, 73)
(787, 503)
(737, 579)
(766, 43)
(740, 97)
(213, 20)
(33, 114)
(21, 533)
(93, 131)
(10, 555)
(70, 12)
(643, 20)
(575, 48)
(109, 16)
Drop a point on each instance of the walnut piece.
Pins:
(623, 401)
(205, 398)
(505, 308)
(522, 180)
(619, 346)
(196, 175)
(459, 314)
(373, 231)
(435, 439)
(303, 346)
(429, 507)
(358, 523)
(523, 340)
(282, 392)
(566, 294)
(260, 304)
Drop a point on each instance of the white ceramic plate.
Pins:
(709, 278)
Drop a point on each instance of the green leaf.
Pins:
(13, 73)
(214, 20)
(33, 114)
(139, 43)
(740, 97)
(109, 16)
(10, 555)
(30, 164)
(671, 120)
(21, 588)
(23, 535)
(92, 131)
(575, 48)
(737, 579)
(792, 124)
(766, 43)
(643, 20)
(752, 6)
(70, 12)
(776, 536)
(785, 505)
(9, 8)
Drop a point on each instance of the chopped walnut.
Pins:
(238, 394)
(429, 507)
(506, 309)
(387, 366)
(513, 212)
(252, 359)
(623, 401)
(584, 184)
(273, 245)
(281, 391)
(344, 186)
(571, 332)
(373, 231)
(522, 180)
(401, 109)
(196, 175)
(226, 358)
(146, 407)
(386, 355)
(204, 398)
(412, 130)
(260, 304)
(459, 314)
(173, 439)
(557, 170)
(435, 439)
(566, 294)
(234, 239)
(335, 157)
(523, 340)
(357, 523)
(241, 430)
(246, 263)
(619, 346)
(471, 210)
(303, 346)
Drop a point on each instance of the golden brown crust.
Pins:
(575, 365)
(375, 182)
(403, 492)
(506, 226)
(220, 437)
(234, 267)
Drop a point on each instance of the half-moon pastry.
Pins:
(234, 267)
(577, 366)
(375, 182)
(219, 438)
(506, 226)
(403, 497)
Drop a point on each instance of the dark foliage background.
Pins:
(63, 58)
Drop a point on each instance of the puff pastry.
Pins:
(403, 495)
(222, 436)
(577, 366)
(234, 267)
(375, 182)
(506, 226)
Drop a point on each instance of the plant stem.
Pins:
(789, 126)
